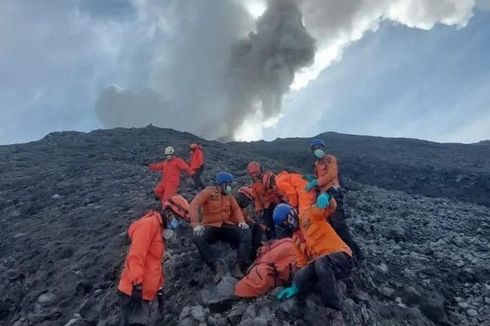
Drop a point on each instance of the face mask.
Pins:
(169, 157)
(319, 153)
(227, 189)
(174, 224)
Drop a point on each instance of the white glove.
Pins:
(243, 225)
(198, 230)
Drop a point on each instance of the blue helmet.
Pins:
(223, 177)
(281, 213)
(315, 143)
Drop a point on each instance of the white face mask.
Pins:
(319, 153)
(227, 189)
(169, 157)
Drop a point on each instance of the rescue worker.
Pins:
(142, 278)
(244, 198)
(265, 199)
(322, 256)
(221, 220)
(291, 188)
(327, 180)
(170, 169)
(197, 164)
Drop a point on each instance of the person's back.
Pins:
(317, 237)
(292, 187)
(147, 242)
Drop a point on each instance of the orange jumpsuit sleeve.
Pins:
(301, 259)
(259, 206)
(317, 214)
(237, 211)
(156, 166)
(196, 204)
(184, 167)
(140, 243)
(332, 171)
(200, 157)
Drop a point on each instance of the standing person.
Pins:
(221, 220)
(197, 164)
(327, 179)
(142, 278)
(321, 256)
(264, 199)
(170, 169)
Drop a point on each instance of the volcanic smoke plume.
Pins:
(215, 76)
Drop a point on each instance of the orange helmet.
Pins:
(193, 146)
(247, 192)
(268, 180)
(254, 168)
(179, 206)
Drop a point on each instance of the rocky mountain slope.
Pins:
(67, 200)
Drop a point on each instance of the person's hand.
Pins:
(323, 200)
(199, 230)
(312, 184)
(160, 300)
(243, 225)
(136, 295)
(288, 293)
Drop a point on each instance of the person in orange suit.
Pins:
(264, 199)
(197, 164)
(170, 169)
(216, 216)
(322, 257)
(291, 188)
(142, 277)
(327, 179)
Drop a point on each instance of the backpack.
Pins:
(273, 267)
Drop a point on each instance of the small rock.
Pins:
(46, 299)
(463, 305)
(472, 312)
(56, 196)
(387, 291)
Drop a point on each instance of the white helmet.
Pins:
(169, 150)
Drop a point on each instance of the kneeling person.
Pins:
(322, 256)
(142, 277)
(221, 220)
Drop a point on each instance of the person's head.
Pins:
(223, 181)
(174, 212)
(193, 147)
(169, 152)
(269, 180)
(244, 197)
(286, 216)
(317, 147)
(254, 170)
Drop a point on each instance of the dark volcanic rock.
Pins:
(67, 200)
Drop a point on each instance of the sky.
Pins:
(247, 69)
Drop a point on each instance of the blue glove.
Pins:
(323, 200)
(309, 177)
(288, 293)
(312, 184)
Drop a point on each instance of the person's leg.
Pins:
(196, 177)
(123, 300)
(305, 279)
(169, 190)
(269, 222)
(140, 316)
(203, 244)
(338, 223)
(159, 190)
(240, 238)
(328, 270)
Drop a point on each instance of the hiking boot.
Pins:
(237, 272)
(219, 272)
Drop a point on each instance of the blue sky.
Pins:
(58, 57)
(402, 82)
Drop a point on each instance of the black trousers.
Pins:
(322, 275)
(133, 315)
(196, 177)
(337, 220)
(231, 234)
